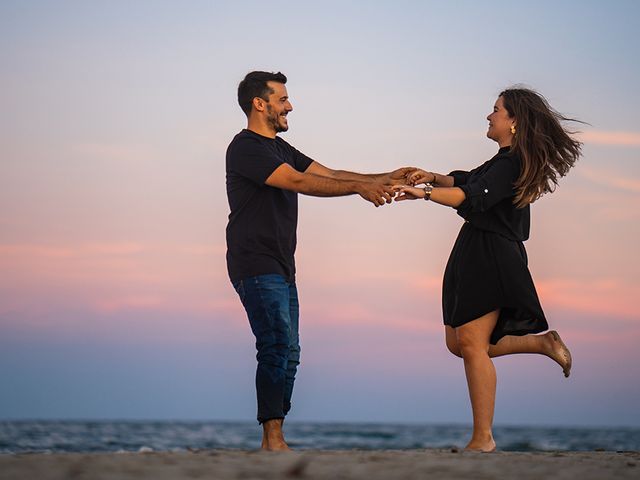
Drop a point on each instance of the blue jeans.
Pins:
(271, 304)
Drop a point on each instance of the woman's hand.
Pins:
(405, 192)
(420, 176)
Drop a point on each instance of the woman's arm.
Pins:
(422, 176)
(448, 196)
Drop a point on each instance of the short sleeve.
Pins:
(300, 161)
(492, 186)
(252, 160)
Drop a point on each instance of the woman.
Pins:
(490, 304)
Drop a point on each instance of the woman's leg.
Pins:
(549, 344)
(473, 342)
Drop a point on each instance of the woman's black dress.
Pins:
(487, 268)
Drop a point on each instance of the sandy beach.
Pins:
(354, 464)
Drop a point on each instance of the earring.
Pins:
(513, 129)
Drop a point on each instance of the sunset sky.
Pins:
(114, 121)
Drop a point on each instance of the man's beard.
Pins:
(273, 121)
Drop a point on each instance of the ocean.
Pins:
(135, 436)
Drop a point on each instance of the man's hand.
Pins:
(398, 176)
(376, 193)
(406, 192)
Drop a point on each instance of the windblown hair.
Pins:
(545, 147)
(255, 85)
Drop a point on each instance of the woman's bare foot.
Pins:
(558, 351)
(485, 445)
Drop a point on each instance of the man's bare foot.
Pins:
(273, 437)
(558, 351)
(482, 446)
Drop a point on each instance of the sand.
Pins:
(353, 464)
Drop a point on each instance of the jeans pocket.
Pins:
(239, 286)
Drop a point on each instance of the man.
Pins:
(264, 176)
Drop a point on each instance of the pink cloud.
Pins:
(9, 252)
(190, 279)
(609, 297)
(129, 302)
(404, 301)
(342, 314)
(200, 249)
(596, 137)
(606, 178)
(28, 250)
(228, 306)
(424, 283)
(104, 249)
(625, 139)
(111, 277)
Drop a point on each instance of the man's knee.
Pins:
(273, 354)
(294, 353)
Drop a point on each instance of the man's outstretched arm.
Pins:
(389, 178)
(288, 178)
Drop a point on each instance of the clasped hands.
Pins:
(399, 185)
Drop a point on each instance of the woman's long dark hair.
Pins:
(545, 147)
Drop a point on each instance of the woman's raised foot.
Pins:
(558, 351)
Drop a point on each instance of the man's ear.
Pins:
(258, 104)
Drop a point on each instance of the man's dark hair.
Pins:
(255, 85)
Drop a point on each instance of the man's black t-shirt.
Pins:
(261, 233)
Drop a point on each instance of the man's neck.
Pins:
(261, 128)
